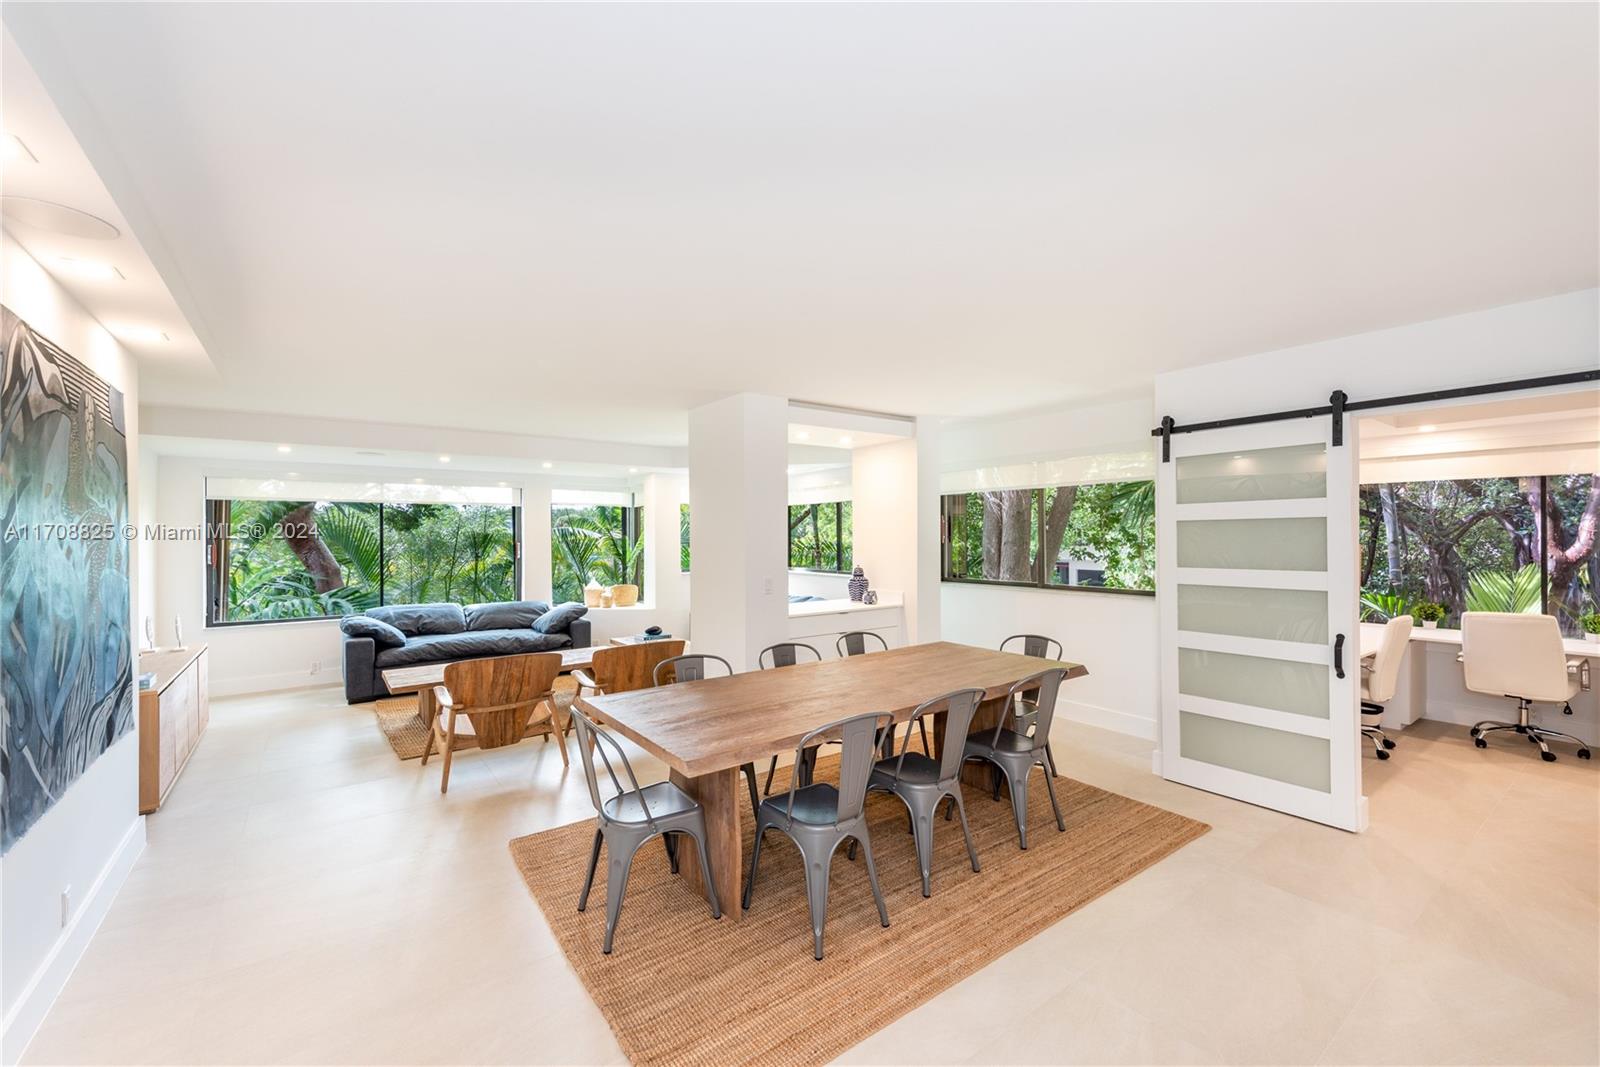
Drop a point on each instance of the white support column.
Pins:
(738, 497)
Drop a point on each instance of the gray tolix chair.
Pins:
(692, 668)
(921, 782)
(819, 818)
(629, 819)
(1014, 754)
(786, 654)
(1039, 647)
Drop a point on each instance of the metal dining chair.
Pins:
(629, 819)
(784, 654)
(922, 782)
(1014, 754)
(820, 817)
(860, 643)
(692, 668)
(1040, 647)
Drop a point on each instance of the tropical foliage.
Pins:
(1101, 534)
(599, 543)
(310, 559)
(1475, 545)
(820, 537)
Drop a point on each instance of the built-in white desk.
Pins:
(1431, 685)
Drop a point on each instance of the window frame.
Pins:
(1041, 571)
(218, 519)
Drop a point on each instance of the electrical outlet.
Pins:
(766, 586)
(316, 666)
(66, 906)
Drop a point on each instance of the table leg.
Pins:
(719, 794)
(427, 706)
(990, 712)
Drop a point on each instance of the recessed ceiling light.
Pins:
(57, 218)
(16, 151)
(285, 448)
(294, 474)
(1428, 428)
(801, 435)
(90, 269)
(547, 464)
(444, 459)
(416, 479)
(633, 470)
(502, 484)
(845, 441)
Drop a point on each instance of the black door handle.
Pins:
(1338, 655)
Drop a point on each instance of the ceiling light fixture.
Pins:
(845, 441)
(633, 470)
(141, 335)
(801, 435)
(444, 459)
(294, 474)
(91, 270)
(285, 448)
(1428, 428)
(547, 464)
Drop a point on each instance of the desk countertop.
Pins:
(1372, 636)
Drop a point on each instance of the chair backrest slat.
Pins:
(689, 668)
(859, 643)
(1043, 688)
(506, 688)
(1035, 645)
(784, 654)
(859, 737)
(592, 741)
(624, 668)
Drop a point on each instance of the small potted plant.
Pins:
(1591, 626)
(1428, 615)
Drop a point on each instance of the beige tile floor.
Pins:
(307, 898)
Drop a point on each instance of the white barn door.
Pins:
(1256, 585)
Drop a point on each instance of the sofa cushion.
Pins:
(559, 618)
(506, 615)
(384, 635)
(414, 620)
(434, 648)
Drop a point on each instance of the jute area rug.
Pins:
(681, 988)
(408, 736)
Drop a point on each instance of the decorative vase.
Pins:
(1430, 624)
(871, 597)
(624, 596)
(592, 593)
(858, 585)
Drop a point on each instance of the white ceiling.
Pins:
(583, 220)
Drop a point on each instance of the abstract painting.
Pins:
(66, 671)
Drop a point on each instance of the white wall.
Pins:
(1113, 634)
(93, 834)
(288, 655)
(894, 525)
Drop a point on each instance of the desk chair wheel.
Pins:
(1387, 743)
(1566, 709)
(1383, 753)
(1548, 757)
(1480, 742)
(1583, 753)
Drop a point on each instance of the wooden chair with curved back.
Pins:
(624, 668)
(494, 701)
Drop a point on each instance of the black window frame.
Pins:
(217, 520)
(1041, 571)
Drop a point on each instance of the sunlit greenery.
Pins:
(599, 542)
(308, 559)
(1100, 535)
(819, 536)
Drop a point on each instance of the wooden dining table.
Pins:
(705, 730)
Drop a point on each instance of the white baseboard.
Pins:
(1107, 719)
(249, 684)
(41, 991)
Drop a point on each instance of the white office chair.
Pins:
(1519, 656)
(1381, 679)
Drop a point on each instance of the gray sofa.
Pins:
(436, 633)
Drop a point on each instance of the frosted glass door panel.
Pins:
(1295, 472)
(1279, 684)
(1254, 544)
(1297, 759)
(1273, 614)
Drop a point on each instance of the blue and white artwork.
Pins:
(66, 670)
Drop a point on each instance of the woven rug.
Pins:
(397, 720)
(681, 988)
